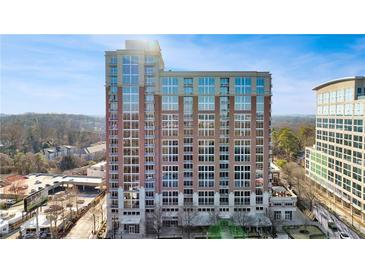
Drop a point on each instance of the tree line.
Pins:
(26, 163)
(33, 132)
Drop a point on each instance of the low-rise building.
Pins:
(60, 151)
(283, 205)
(95, 151)
(97, 170)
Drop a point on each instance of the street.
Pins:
(85, 225)
(324, 199)
(324, 217)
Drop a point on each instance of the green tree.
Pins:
(306, 135)
(288, 142)
(281, 163)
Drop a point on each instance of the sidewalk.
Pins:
(84, 226)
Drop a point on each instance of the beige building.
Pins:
(182, 141)
(336, 162)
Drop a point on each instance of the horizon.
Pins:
(65, 73)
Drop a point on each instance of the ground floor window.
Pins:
(277, 215)
(170, 223)
(288, 215)
(131, 229)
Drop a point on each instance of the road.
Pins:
(340, 211)
(324, 217)
(323, 199)
(85, 225)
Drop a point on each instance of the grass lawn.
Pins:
(237, 232)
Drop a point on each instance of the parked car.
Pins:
(332, 226)
(344, 235)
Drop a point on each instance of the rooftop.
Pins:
(98, 165)
(96, 148)
(280, 191)
(149, 45)
(339, 80)
(35, 181)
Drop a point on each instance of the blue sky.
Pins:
(65, 73)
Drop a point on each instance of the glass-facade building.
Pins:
(183, 141)
(337, 160)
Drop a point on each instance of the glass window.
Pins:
(242, 175)
(242, 85)
(188, 81)
(170, 103)
(130, 70)
(206, 85)
(206, 103)
(130, 99)
(169, 85)
(206, 150)
(259, 103)
(242, 124)
(242, 150)
(242, 102)
(260, 85)
(206, 176)
(170, 176)
(206, 124)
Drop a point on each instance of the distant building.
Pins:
(92, 152)
(336, 163)
(95, 151)
(60, 151)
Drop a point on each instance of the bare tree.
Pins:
(73, 195)
(60, 199)
(241, 218)
(298, 180)
(310, 194)
(70, 201)
(187, 215)
(155, 220)
(53, 213)
(214, 215)
(288, 172)
(16, 187)
(275, 223)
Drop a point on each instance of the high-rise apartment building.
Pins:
(181, 141)
(337, 160)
